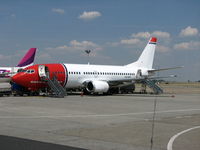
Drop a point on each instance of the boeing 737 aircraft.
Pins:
(7, 72)
(92, 78)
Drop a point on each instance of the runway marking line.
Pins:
(171, 141)
(96, 115)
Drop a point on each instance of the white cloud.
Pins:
(58, 10)
(160, 34)
(112, 44)
(183, 45)
(192, 45)
(146, 35)
(162, 49)
(45, 57)
(89, 15)
(189, 31)
(130, 41)
(139, 39)
(75, 45)
(141, 35)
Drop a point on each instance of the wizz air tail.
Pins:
(146, 58)
(28, 58)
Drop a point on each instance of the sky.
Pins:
(116, 32)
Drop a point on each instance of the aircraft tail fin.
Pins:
(28, 58)
(146, 58)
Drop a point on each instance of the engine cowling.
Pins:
(97, 86)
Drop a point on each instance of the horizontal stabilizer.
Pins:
(170, 76)
(163, 69)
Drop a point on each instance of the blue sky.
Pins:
(115, 30)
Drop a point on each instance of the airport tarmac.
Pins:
(105, 122)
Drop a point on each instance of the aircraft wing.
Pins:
(111, 83)
(117, 83)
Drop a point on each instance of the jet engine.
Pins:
(97, 86)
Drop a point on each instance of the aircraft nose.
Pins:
(20, 79)
(17, 79)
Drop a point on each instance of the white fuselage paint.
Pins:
(77, 74)
(112, 74)
(11, 70)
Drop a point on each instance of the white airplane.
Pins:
(7, 72)
(92, 78)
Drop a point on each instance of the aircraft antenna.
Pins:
(88, 53)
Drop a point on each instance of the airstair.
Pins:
(57, 89)
(147, 82)
(151, 84)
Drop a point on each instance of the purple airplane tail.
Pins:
(28, 58)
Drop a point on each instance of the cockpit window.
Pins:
(21, 70)
(30, 71)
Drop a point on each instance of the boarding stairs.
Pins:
(57, 89)
(151, 84)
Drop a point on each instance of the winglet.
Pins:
(28, 58)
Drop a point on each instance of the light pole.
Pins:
(88, 53)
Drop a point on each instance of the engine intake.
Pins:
(97, 86)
